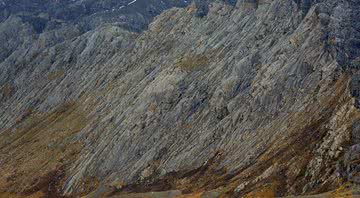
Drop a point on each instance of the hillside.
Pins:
(254, 98)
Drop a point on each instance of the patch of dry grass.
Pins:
(265, 192)
(34, 155)
(7, 90)
(190, 63)
(55, 75)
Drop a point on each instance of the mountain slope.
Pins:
(53, 21)
(257, 96)
(88, 13)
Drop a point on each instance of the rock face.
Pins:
(218, 98)
(89, 14)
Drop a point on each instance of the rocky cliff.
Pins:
(89, 14)
(221, 98)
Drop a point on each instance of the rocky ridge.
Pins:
(256, 96)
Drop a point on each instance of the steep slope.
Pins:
(253, 97)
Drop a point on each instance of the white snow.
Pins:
(132, 2)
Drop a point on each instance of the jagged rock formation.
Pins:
(89, 14)
(255, 97)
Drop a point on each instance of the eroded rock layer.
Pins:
(218, 98)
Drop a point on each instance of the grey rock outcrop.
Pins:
(253, 94)
(89, 14)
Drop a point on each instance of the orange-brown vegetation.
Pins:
(7, 90)
(55, 75)
(35, 155)
(190, 63)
